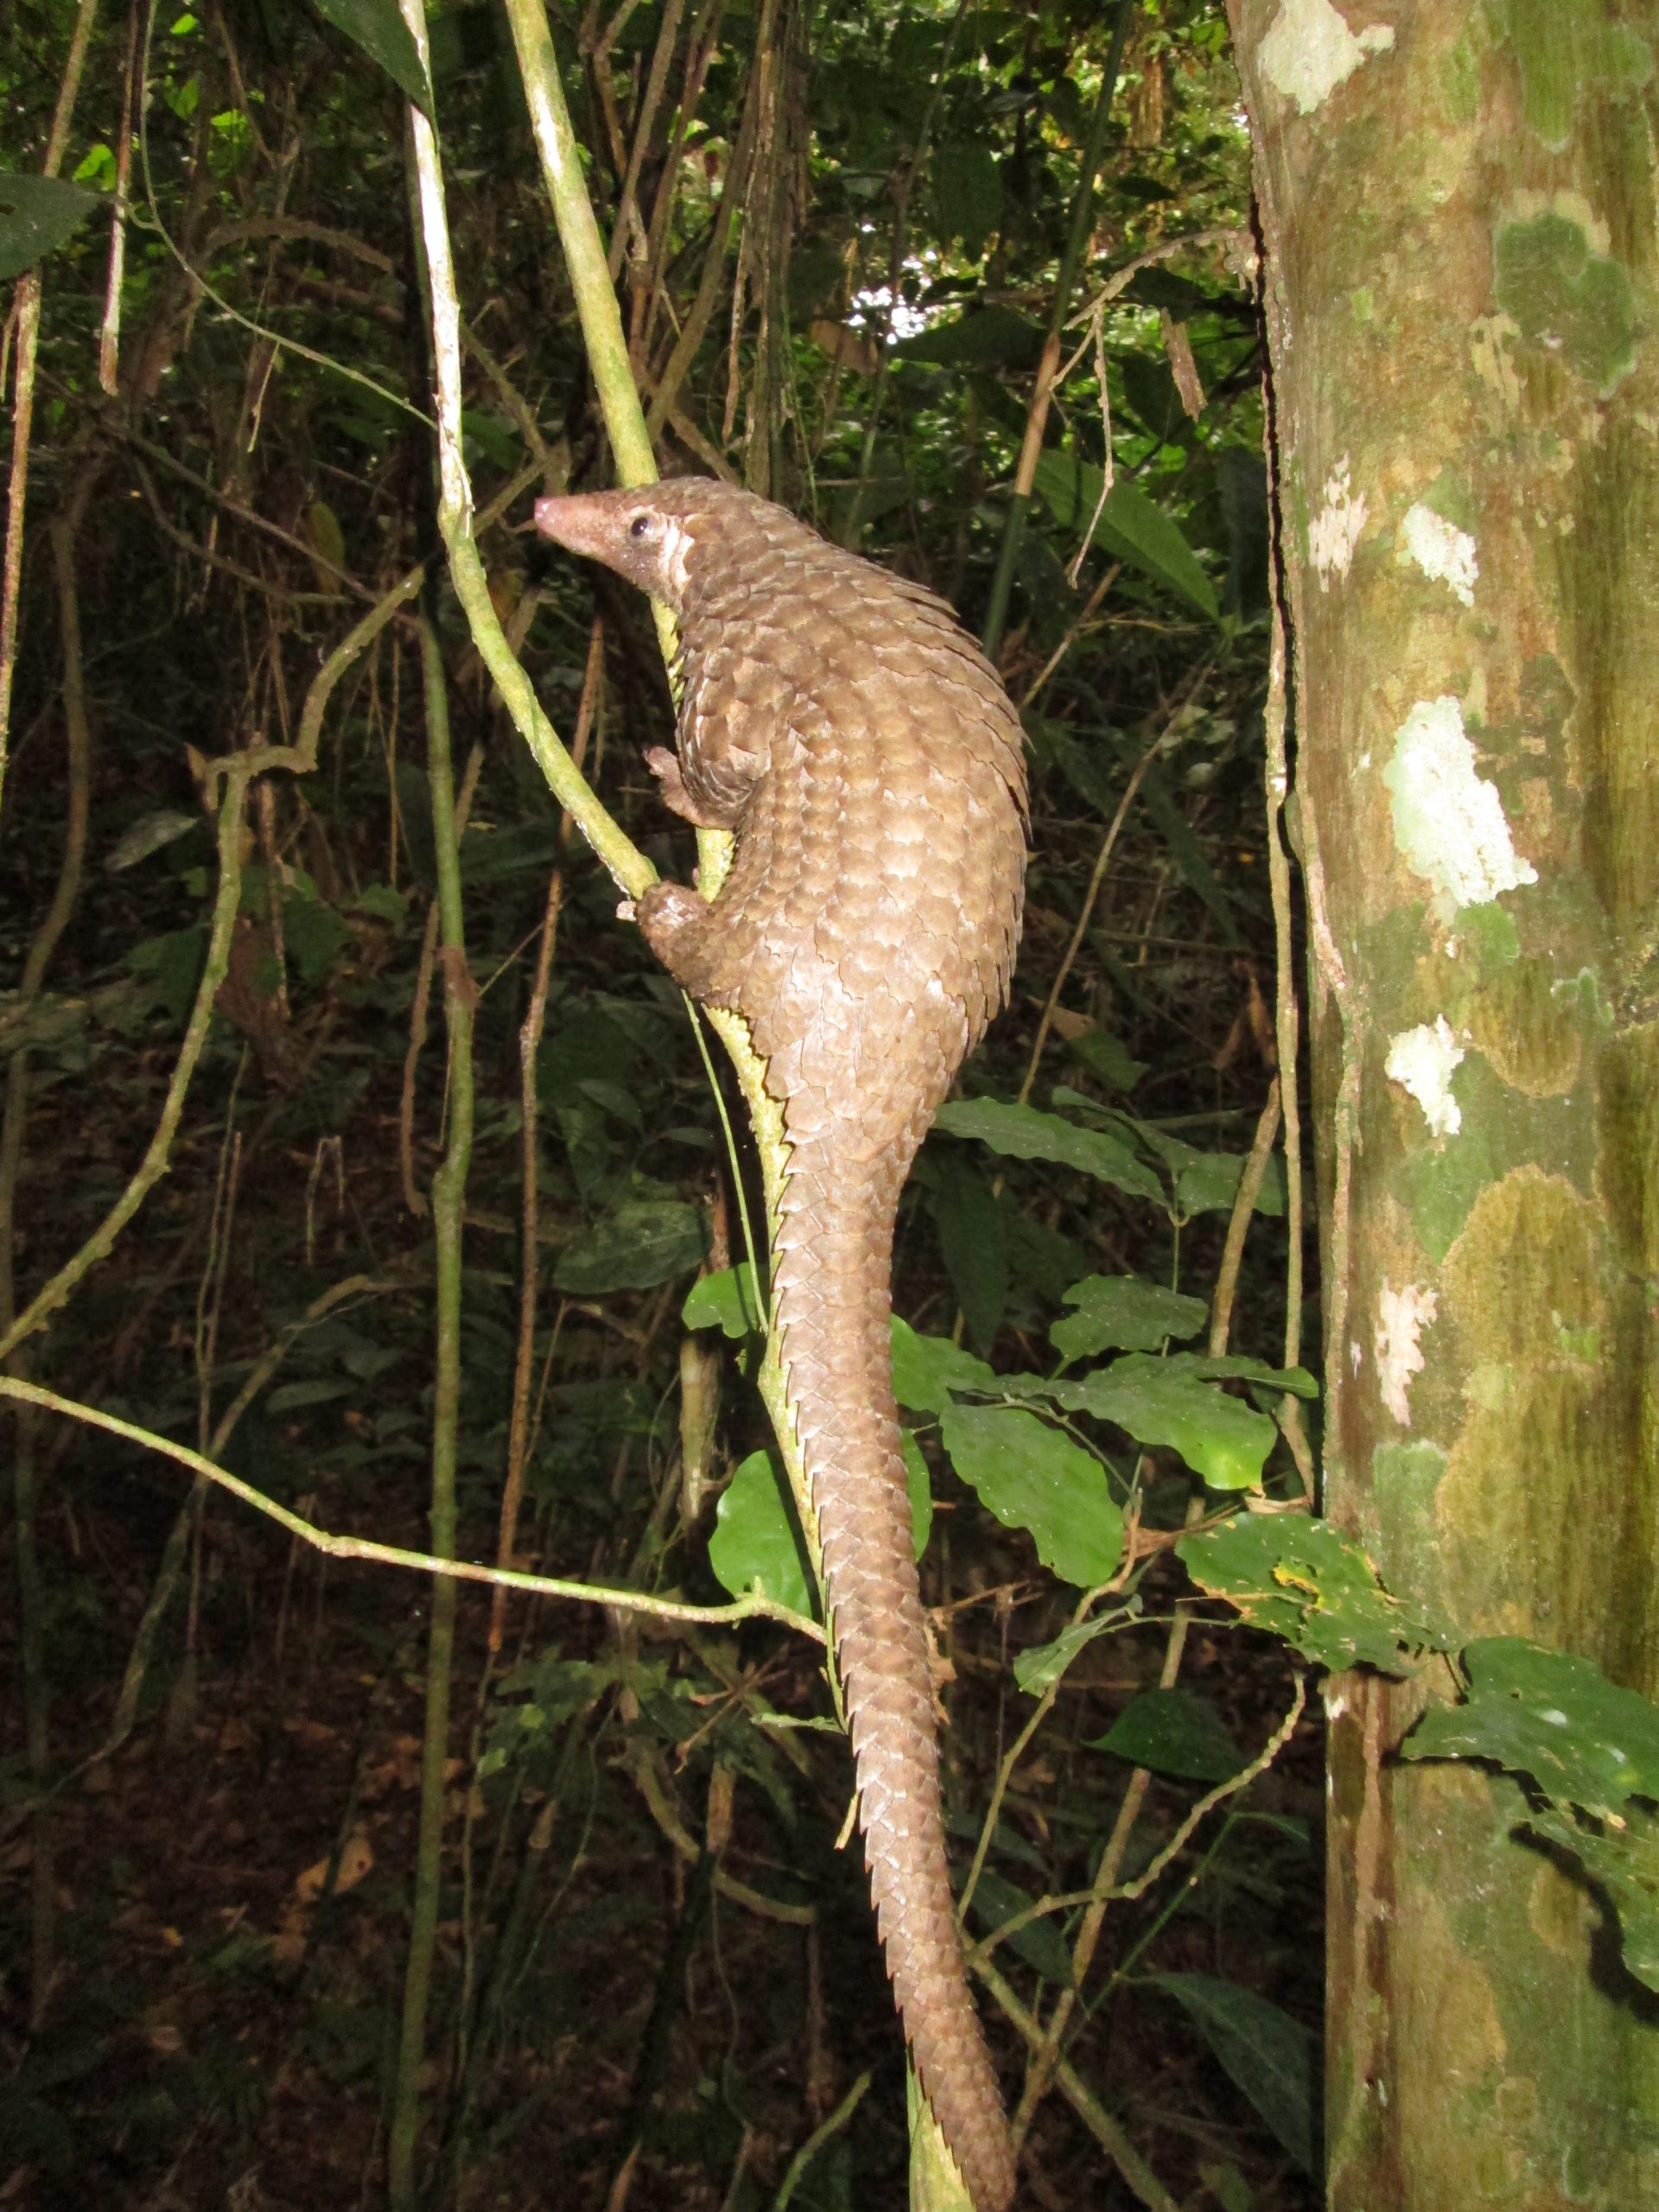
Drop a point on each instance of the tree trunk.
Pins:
(1457, 206)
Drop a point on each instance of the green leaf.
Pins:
(1301, 1580)
(37, 214)
(967, 194)
(757, 1541)
(1233, 1367)
(1149, 387)
(1165, 1402)
(1107, 1057)
(642, 1243)
(1626, 1865)
(1130, 528)
(1026, 1133)
(921, 1491)
(1046, 1662)
(1174, 1732)
(1263, 2051)
(173, 965)
(296, 1398)
(1583, 1739)
(380, 30)
(983, 337)
(974, 1245)
(1208, 1181)
(997, 1900)
(1033, 1477)
(1123, 1313)
(313, 935)
(381, 904)
(148, 834)
(925, 1369)
(725, 1301)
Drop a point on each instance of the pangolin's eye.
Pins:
(639, 525)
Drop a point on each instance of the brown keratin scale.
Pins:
(861, 747)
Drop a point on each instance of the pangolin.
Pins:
(859, 745)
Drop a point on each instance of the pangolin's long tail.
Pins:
(833, 1272)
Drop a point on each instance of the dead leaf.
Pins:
(355, 1861)
(851, 349)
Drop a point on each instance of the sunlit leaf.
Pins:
(1131, 528)
(1583, 1739)
(1165, 1402)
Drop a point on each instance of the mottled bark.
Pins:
(1457, 205)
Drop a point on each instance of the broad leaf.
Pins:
(1131, 527)
(1583, 1739)
(757, 1542)
(380, 30)
(1123, 1313)
(1165, 1402)
(1626, 1865)
(1301, 1580)
(974, 1245)
(1265, 2053)
(925, 1369)
(967, 194)
(725, 1301)
(1033, 1477)
(1174, 1732)
(984, 338)
(1026, 1133)
(644, 1243)
(37, 214)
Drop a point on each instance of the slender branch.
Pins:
(1109, 2133)
(1045, 1908)
(626, 213)
(825, 2132)
(755, 1607)
(1097, 878)
(1287, 1027)
(26, 308)
(1249, 1190)
(101, 1243)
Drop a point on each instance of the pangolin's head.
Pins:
(668, 538)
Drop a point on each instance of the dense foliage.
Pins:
(848, 246)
